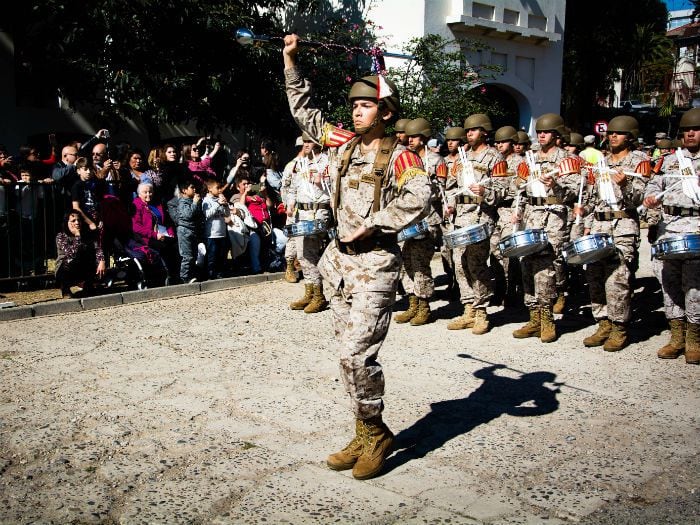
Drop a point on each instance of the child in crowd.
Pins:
(189, 218)
(216, 211)
(30, 205)
(85, 194)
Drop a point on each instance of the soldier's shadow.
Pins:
(526, 396)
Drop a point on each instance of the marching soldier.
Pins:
(417, 277)
(309, 200)
(455, 138)
(507, 275)
(680, 278)
(521, 145)
(545, 195)
(378, 188)
(400, 130)
(473, 201)
(615, 200)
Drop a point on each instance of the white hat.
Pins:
(589, 139)
(433, 143)
(299, 142)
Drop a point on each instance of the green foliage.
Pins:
(439, 86)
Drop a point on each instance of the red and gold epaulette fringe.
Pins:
(523, 171)
(500, 169)
(644, 168)
(441, 170)
(334, 137)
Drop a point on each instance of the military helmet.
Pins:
(418, 126)
(624, 124)
(523, 138)
(576, 139)
(506, 133)
(664, 144)
(478, 120)
(366, 87)
(550, 122)
(400, 126)
(677, 143)
(305, 137)
(456, 133)
(690, 119)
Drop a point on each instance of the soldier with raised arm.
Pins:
(378, 188)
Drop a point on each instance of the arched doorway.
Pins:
(514, 106)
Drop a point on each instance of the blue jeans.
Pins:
(217, 248)
(254, 243)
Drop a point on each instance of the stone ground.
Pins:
(221, 407)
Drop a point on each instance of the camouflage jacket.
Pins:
(437, 171)
(303, 190)
(404, 198)
(675, 197)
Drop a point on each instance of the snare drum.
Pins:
(522, 243)
(305, 228)
(682, 246)
(467, 235)
(588, 249)
(417, 231)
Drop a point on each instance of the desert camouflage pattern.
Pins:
(416, 276)
(363, 285)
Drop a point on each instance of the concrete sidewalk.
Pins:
(221, 408)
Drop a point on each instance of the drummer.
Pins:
(542, 205)
(680, 278)
(416, 275)
(615, 199)
(521, 145)
(308, 199)
(507, 276)
(473, 201)
(400, 130)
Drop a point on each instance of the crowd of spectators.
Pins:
(178, 208)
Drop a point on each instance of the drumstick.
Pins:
(580, 198)
(516, 226)
(641, 207)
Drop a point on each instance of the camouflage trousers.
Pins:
(446, 252)
(309, 253)
(503, 229)
(290, 250)
(539, 278)
(473, 274)
(416, 277)
(361, 322)
(680, 284)
(609, 282)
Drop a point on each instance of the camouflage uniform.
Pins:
(504, 224)
(609, 279)
(311, 202)
(290, 250)
(679, 278)
(539, 275)
(417, 277)
(447, 227)
(471, 268)
(363, 275)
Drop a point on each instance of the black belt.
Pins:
(468, 199)
(680, 211)
(611, 215)
(313, 206)
(507, 203)
(374, 243)
(544, 201)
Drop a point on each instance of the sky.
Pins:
(675, 5)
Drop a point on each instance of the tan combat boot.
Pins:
(290, 275)
(409, 314)
(481, 322)
(318, 301)
(548, 332)
(422, 314)
(466, 320)
(618, 338)
(676, 345)
(346, 458)
(300, 304)
(560, 304)
(601, 334)
(378, 441)
(692, 344)
(532, 327)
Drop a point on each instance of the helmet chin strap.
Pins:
(366, 129)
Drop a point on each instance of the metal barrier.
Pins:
(31, 214)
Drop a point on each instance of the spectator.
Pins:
(30, 207)
(86, 194)
(198, 160)
(257, 205)
(64, 170)
(80, 258)
(216, 213)
(189, 217)
(171, 171)
(141, 173)
(99, 155)
(590, 154)
(242, 162)
(7, 178)
(29, 155)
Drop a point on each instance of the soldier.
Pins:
(455, 137)
(507, 272)
(522, 144)
(680, 278)
(615, 200)
(543, 205)
(400, 130)
(290, 249)
(309, 200)
(417, 278)
(378, 188)
(473, 201)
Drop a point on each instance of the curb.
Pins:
(65, 306)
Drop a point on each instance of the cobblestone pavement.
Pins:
(221, 408)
